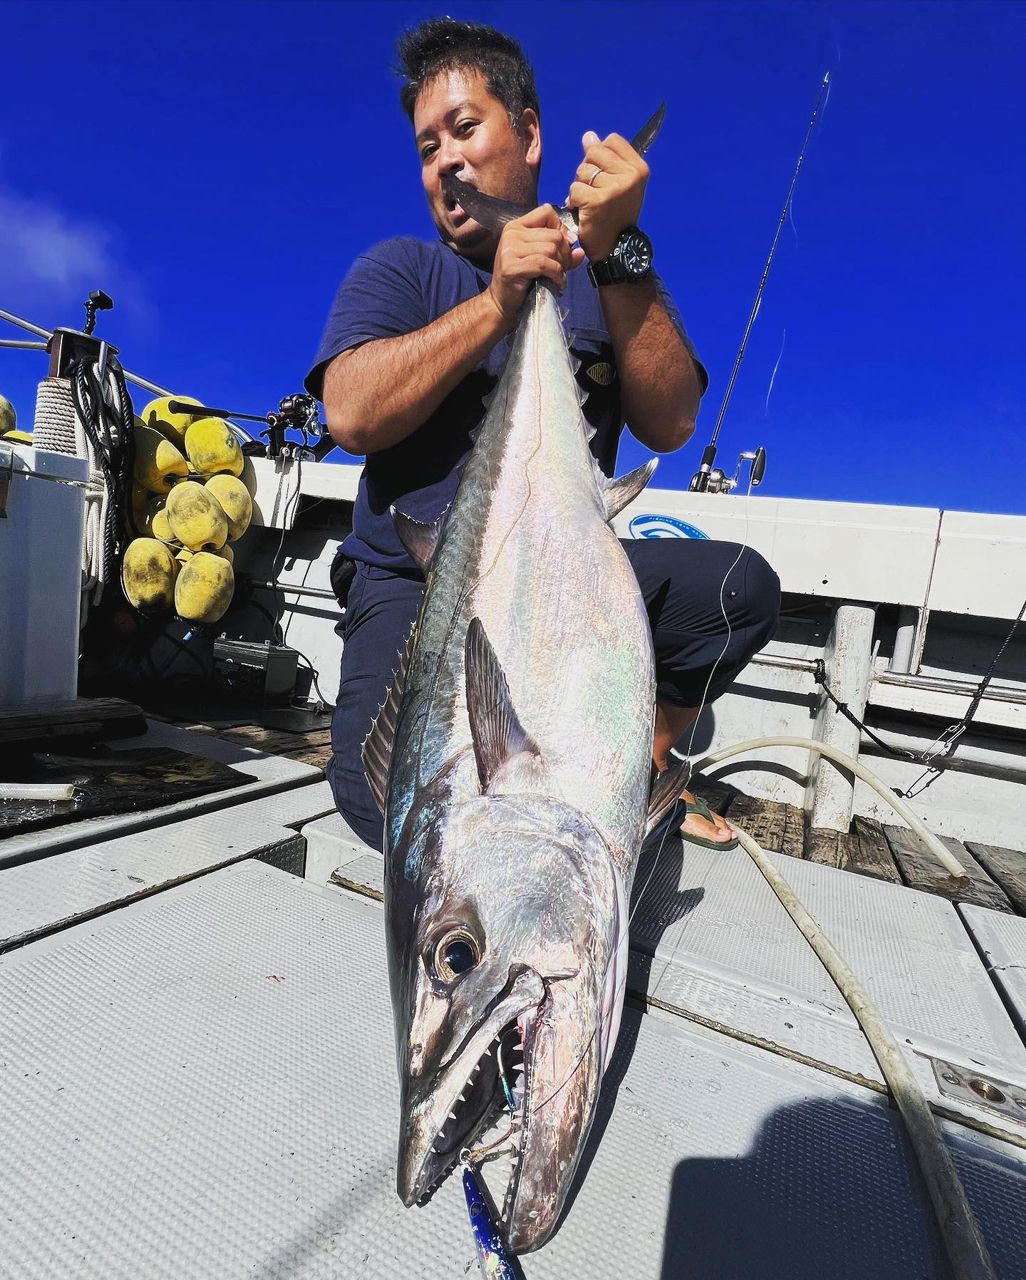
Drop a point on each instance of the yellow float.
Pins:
(196, 518)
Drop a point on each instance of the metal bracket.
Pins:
(6, 472)
(980, 1090)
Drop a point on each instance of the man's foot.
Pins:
(703, 827)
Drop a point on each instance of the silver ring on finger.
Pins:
(591, 180)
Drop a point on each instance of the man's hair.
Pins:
(444, 44)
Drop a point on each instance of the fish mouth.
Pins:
(467, 1095)
(517, 1101)
(452, 206)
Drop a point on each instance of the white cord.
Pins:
(939, 851)
(959, 1229)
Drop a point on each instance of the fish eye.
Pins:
(456, 953)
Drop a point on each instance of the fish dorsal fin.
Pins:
(666, 789)
(499, 737)
(623, 491)
(377, 746)
(420, 540)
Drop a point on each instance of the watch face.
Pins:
(636, 253)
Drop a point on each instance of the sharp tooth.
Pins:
(452, 1115)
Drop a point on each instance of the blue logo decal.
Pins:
(664, 527)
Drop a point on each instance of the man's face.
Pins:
(460, 128)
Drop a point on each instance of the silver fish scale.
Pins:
(528, 550)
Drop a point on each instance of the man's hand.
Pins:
(608, 193)
(530, 248)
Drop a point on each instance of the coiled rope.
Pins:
(90, 416)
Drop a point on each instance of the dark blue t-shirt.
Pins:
(400, 286)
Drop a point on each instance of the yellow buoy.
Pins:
(160, 526)
(196, 517)
(172, 425)
(234, 498)
(158, 464)
(8, 418)
(213, 447)
(204, 588)
(148, 575)
(140, 501)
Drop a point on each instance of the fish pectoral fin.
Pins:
(420, 539)
(666, 789)
(377, 746)
(495, 727)
(620, 493)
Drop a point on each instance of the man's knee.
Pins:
(355, 803)
(762, 596)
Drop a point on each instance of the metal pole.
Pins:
(319, 592)
(45, 333)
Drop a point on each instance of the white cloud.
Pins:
(49, 259)
(41, 244)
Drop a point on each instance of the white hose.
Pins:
(36, 791)
(960, 1232)
(943, 855)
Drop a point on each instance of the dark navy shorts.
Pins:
(681, 580)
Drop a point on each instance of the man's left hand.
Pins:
(608, 192)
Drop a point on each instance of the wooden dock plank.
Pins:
(920, 870)
(793, 843)
(764, 820)
(831, 848)
(871, 854)
(1007, 867)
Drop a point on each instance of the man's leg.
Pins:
(379, 615)
(712, 605)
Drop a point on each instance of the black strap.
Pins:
(820, 677)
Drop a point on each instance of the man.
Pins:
(419, 334)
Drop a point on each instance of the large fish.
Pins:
(512, 762)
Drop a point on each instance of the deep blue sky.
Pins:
(216, 166)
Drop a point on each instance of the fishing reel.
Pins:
(297, 412)
(718, 481)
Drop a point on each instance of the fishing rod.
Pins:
(700, 480)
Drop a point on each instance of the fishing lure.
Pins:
(495, 1261)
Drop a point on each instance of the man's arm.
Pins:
(659, 383)
(379, 393)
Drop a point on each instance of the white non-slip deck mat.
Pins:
(202, 1084)
(268, 774)
(38, 896)
(711, 940)
(1002, 939)
(721, 946)
(330, 841)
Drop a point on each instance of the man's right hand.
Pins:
(530, 248)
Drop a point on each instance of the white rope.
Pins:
(947, 859)
(54, 426)
(959, 1229)
(57, 429)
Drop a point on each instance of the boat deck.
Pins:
(197, 1053)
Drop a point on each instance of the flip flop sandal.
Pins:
(702, 809)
